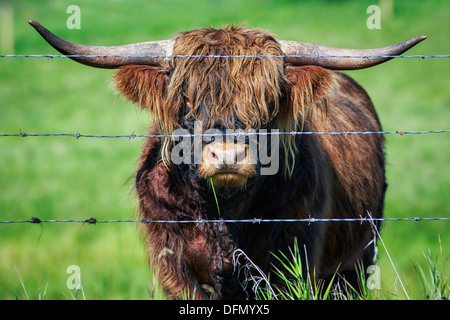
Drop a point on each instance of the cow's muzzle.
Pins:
(229, 164)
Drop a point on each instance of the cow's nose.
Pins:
(219, 153)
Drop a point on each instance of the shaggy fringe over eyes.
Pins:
(219, 91)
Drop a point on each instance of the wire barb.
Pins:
(91, 220)
(35, 220)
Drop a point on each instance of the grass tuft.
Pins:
(434, 279)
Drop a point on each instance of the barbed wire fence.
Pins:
(309, 220)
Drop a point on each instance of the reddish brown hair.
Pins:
(249, 89)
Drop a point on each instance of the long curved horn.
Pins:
(338, 63)
(109, 57)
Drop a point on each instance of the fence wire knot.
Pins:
(132, 136)
(91, 220)
(257, 220)
(35, 220)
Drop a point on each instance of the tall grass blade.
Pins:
(21, 282)
(375, 229)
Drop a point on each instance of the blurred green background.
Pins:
(65, 178)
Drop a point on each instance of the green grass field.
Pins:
(66, 178)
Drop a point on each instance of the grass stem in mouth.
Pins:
(215, 197)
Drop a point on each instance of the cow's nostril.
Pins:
(213, 155)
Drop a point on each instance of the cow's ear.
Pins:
(144, 85)
(308, 87)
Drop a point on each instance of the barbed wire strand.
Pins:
(260, 56)
(133, 136)
(254, 220)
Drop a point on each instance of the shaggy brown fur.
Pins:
(327, 176)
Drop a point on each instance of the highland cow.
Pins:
(245, 79)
